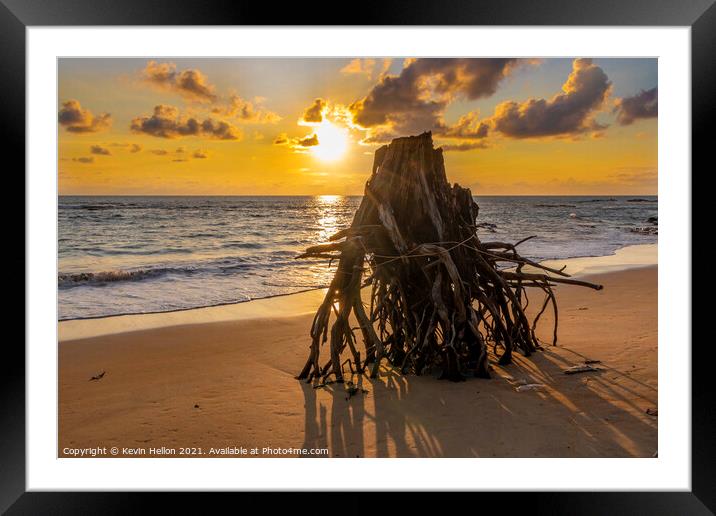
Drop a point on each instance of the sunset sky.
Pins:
(293, 126)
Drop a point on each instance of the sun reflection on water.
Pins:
(332, 213)
(329, 220)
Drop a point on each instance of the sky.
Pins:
(310, 126)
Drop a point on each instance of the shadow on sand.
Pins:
(599, 414)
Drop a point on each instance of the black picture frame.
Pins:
(17, 15)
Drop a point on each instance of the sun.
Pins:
(332, 141)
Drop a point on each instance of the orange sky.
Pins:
(310, 126)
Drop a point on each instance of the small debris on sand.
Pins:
(97, 376)
(530, 387)
(196, 406)
(581, 369)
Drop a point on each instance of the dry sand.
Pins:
(228, 381)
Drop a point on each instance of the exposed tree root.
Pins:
(440, 297)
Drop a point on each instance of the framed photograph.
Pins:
(451, 244)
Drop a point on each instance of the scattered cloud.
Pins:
(166, 122)
(644, 104)
(314, 113)
(246, 111)
(307, 141)
(220, 130)
(98, 149)
(191, 84)
(298, 144)
(194, 86)
(359, 66)
(464, 146)
(368, 67)
(132, 147)
(84, 159)
(181, 154)
(75, 119)
(568, 113)
(281, 139)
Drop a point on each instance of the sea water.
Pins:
(120, 255)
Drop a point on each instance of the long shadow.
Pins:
(584, 415)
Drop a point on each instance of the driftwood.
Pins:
(439, 296)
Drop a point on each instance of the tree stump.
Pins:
(439, 296)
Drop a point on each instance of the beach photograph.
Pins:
(359, 257)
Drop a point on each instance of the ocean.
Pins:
(120, 255)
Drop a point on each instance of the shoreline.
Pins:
(629, 257)
(191, 307)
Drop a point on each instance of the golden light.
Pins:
(328, 199)
(332, 141)
(328, 220)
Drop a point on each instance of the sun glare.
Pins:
(332, 141)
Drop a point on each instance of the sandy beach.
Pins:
(224, 377)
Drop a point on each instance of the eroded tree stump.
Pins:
(438, 297)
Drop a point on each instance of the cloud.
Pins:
(76, 119)
(464, 146)
(367, 67)
(220, 130)
(166, 122)
(98, 149)
(469, 126)
(644, 104)
(190, 84)
(298, 144)
(159, 152)
(307, 141)
(314, 113)
(281, 139)
(415, 100)
(247, 112)
(84, 159)
(200, 154)
(132, 147)
(359, 66)
(568, 113)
